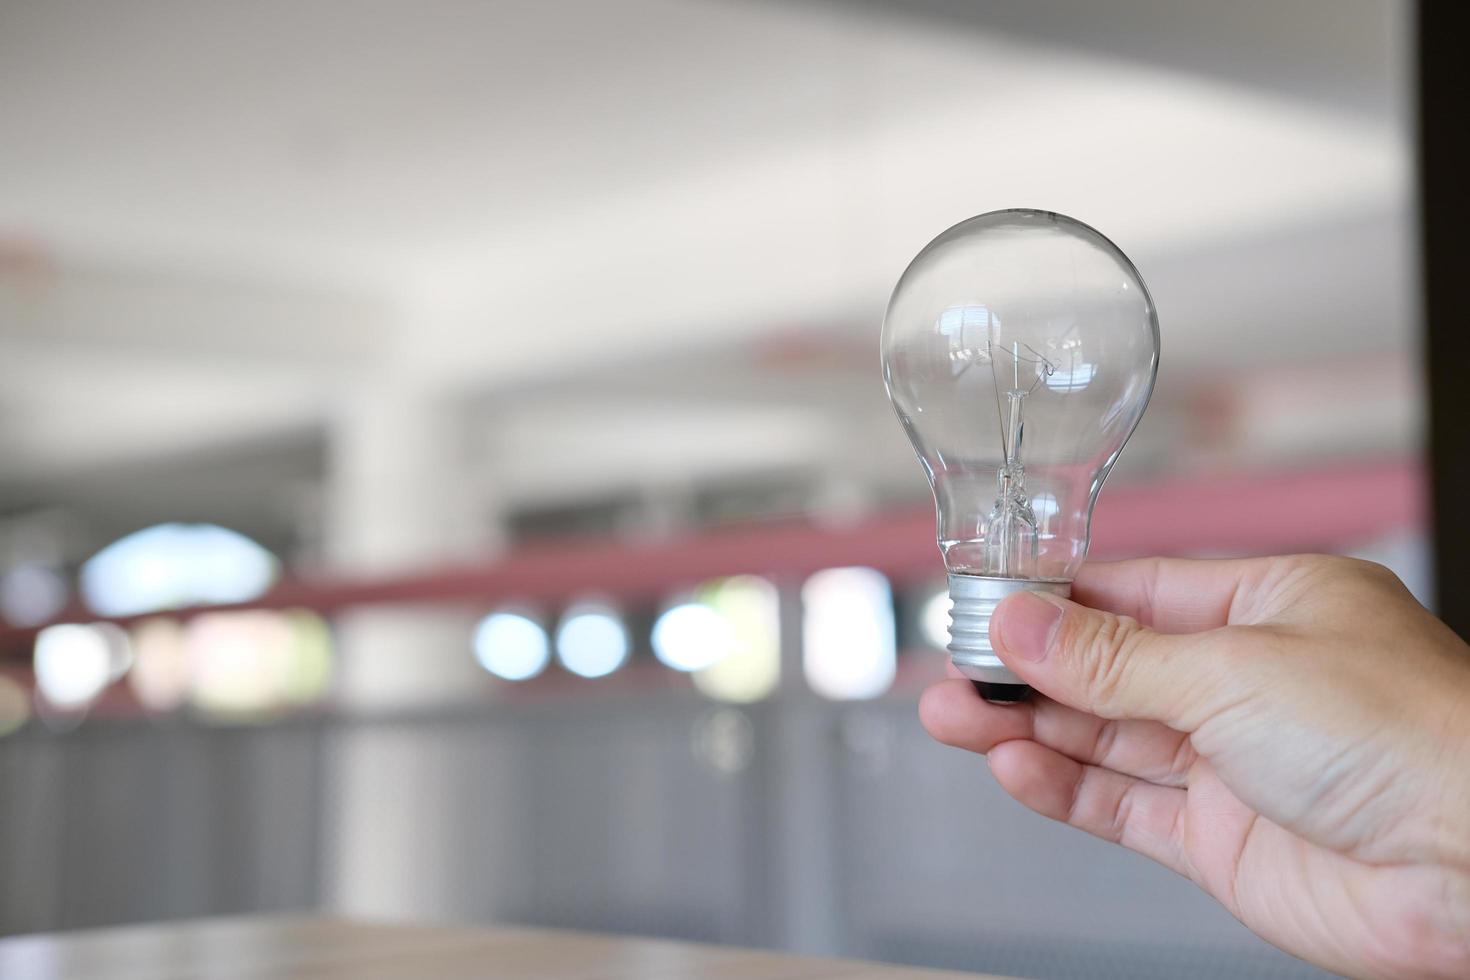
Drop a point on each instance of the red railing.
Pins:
(1275, 512)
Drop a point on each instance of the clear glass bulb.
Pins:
(1019, 349)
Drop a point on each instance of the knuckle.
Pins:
(1122, 813)
(1102, 645)
(1183, 760)
(1373, 574)
(1342, 569)
(1106, 743)
(1322, 581)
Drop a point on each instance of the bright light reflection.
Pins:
(847, 633)
(238, 661)
(934, 620)
(692, 636)
(1076, 378)
(173, 565)
(511, 646)
(591, 640)
(160, 674)
(1046, 508)
(309, 676)
(73, 664)
(242, 665)
(752, 669)
(119, 650)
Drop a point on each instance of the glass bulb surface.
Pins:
(1019, 349)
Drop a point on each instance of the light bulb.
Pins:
(1019, 349)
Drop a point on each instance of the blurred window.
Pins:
(848, 633)
(169, 566)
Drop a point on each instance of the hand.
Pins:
(1291, 734)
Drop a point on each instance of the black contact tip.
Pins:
(1002, 693)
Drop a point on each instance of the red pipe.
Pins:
(1240, 514)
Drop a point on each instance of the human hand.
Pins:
(1291, 734)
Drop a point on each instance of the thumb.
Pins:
(1108, 665)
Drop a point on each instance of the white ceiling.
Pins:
(231, 216)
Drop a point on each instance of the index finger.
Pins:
(1168, 595)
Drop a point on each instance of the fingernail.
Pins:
(1027, 624)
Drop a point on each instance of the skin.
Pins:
(1291, 734)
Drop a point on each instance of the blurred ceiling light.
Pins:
(172, 565)
(752, 669)
(591, 640)
(73, 663)
(32, 594)
(160, 675)
(15, 706)
(511, 646)
(934, 619)
(692, 636)
(238, 661)
(847, 633)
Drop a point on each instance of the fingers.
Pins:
(955, 715)
(1169, 595)
(1143, 817)
(1034, 748)
(1112, 666)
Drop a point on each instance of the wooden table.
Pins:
(309, 947)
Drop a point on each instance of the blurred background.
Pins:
(445, 472)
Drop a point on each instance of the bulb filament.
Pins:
(1011, 544)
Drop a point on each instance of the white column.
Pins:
(398, 499)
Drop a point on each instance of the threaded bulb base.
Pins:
(974, 598)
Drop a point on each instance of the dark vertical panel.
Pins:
(1444, 194)
(32, 796)
(135, 821)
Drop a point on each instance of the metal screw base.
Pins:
(974, 599)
